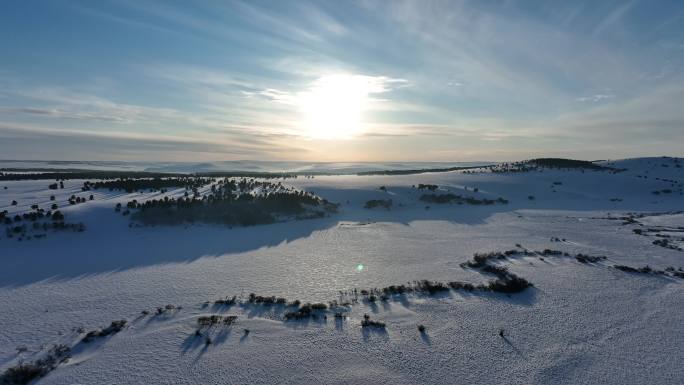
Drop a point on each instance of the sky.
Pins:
(340, 80)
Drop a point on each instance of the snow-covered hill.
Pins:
(580, 322)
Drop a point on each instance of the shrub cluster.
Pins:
(26, 372)
(113, 328)
(374, 203)
(589, 258)
(453, 198)
(664, 242)
(257, 299)
(671, 271)
(429, 187)
(367, 322)
(40, 220)
(211, 320)
(305, 311)
(226, 301)
(506, 281)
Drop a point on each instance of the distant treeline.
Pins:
(64, 174)
(85, 174)
(129, 184)
(568, 163)
(33, 174)
(553, 163)
(420, 171)
(261, 175)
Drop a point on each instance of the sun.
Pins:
(334, 105)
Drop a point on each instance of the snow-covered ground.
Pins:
(580, 323)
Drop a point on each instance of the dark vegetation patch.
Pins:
(551, 163)
(165, 310)
(667, 236)
(505, 282)
(375, 203)
(137, 184)
(25, 372)
(257, 299)
(242, 202)
(453, 198)
(666, 243)
(215, 319)
(669, 271)
(306, 311)
(567, 163)
(509, 283)
(429, 187)
(80, 174)
(419, 171)
(367, 322)
(582, 258)
(113, 328)
(66, 174)
(36, 223)
(228, 301)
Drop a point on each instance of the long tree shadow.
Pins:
(110, 246)
(515, 349)
(426, 338)
(192, 342)
(373, 332)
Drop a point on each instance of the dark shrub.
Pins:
(369, 323)
(113, 328)
(57, 216)
(511, 284)
(373, 203)
(431, 287)
(589, 258)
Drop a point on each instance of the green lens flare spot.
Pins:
(360, 267)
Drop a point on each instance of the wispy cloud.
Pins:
(595, 98)
(614, 17)
(461, 79)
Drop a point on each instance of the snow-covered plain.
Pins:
(580, 323)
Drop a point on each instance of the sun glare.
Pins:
(334, 105)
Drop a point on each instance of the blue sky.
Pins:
(419, 80)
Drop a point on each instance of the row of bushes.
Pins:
(26, 372)
(671, 271)
(453, 198)
(113, 328)
(211, 320)
(136, 184)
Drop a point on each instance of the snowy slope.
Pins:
(580, 323)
